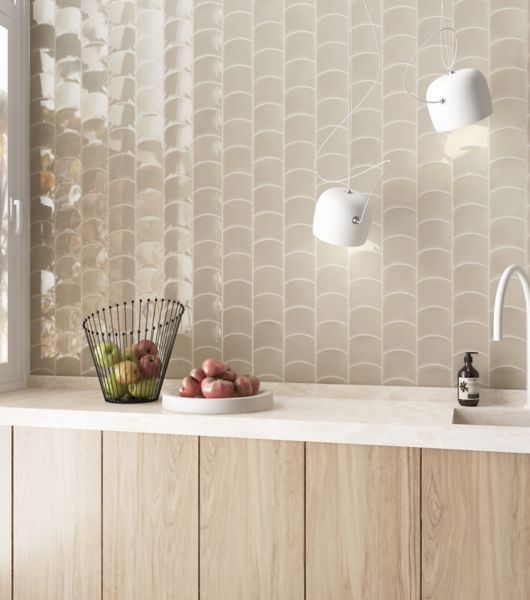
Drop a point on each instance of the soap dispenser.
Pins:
(468, 384)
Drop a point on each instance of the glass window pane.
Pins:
(4, 197)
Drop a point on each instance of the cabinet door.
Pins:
(363, 522)
(5, 512)
(150, 516)
(252, 519)
(476, 525)
(57, 514)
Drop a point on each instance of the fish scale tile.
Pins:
(237, 184)
(471, 212)
(94, 158)
(300, 140)
(207, 180)
(331, 261)
(434, 229)
(399, 198)
(268, 183)
(42, 190)
(178, 158)
(507, 182)
(178, 206)
(364, 263)
(121, 211)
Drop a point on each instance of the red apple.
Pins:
(190, 388)
(217, 388)
(243, 385)
(229, 375)
(146, 347)
(255, 384)
(150, 366)
(213, 367)
(197, 374)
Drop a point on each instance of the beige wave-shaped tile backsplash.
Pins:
(174, 152)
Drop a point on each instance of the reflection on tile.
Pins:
(173, 152)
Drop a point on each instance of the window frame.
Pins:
(14, 373)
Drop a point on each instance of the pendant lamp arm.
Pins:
(413, 58)
(386, 165)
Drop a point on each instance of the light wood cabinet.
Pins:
(150, 516)
(363, 522)
(57, 514)
(251, 519)
(476, 525)
(115, 516)
(5, 512)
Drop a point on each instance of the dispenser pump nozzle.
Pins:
(468, 357)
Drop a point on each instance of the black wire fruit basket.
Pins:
(131, 344)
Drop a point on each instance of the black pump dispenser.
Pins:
(468, 385)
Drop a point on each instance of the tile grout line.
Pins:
(53, 217)
(283, 183)
(489, 208)
(221, 195)
(382, 233)
(315, 192)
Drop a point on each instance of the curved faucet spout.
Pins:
(498, 309)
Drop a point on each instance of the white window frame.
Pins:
(14, 373)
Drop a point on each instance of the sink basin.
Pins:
(492, 417)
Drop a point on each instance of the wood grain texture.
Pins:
(5, 512)
(476, 533)
(252, 519)
(57, 514)
(150, 516)
(362, 523)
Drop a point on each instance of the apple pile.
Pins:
(133, 371)
(217, 380)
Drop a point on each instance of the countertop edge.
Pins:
(441, 437)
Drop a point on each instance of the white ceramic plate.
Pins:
(218, 406)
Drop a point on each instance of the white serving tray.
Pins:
(218, 406)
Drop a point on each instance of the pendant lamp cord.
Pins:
(447, 51)
(448, 54)
(385, 164)
(348, 118)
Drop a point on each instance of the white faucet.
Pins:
(497, 314)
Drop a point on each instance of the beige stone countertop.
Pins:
(346, 414)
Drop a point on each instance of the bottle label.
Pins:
(468, 388)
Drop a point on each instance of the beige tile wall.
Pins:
(173, 152)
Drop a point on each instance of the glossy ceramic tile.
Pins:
(176, 149)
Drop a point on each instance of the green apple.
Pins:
(107, 354)
(112, 387)
(143, 388)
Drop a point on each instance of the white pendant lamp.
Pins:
(343, 216)
(466, 99)
(459, 98)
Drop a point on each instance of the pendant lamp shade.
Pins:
(458, 99)
(342, 217)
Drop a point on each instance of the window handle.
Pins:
(14, 213)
